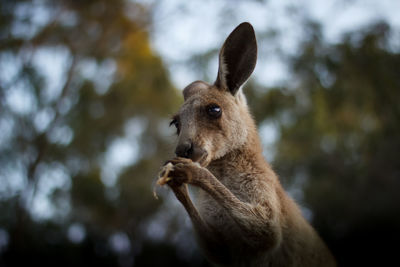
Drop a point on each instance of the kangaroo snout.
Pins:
(184, 150)
(188, 149)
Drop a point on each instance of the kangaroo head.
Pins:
(214, 119)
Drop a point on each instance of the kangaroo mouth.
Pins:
(201, 158)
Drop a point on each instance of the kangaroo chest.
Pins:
(213, 213)
(215, 216)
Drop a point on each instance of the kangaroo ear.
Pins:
(237, 58)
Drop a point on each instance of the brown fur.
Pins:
(243, 215)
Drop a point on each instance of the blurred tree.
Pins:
(339, 140)
(82, 98)
(83, 103)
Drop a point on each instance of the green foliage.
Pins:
(113, 88)
(338, 143)
(339, 140)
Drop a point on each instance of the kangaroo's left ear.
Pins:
(237, 58)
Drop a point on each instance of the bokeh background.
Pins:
(87, 88)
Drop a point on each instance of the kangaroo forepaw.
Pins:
(184, 171)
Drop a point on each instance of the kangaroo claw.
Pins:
(163, 175)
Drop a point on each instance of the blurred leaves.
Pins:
(339, 140)
(83, 108)
(112, 90)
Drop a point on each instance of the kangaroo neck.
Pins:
(246, 159)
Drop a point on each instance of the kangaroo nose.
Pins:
(184, 150)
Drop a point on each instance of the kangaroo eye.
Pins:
(214, 111)
(175, 122)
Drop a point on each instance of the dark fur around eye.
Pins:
(214, 111)
(175, 122)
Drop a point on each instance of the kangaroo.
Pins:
(242, 217)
